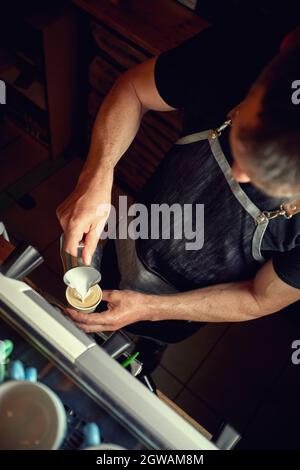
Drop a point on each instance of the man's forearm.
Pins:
(115, 127)
(230, 302)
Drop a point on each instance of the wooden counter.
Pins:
(155, 25)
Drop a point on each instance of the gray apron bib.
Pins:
(197, 171)
(234, 229)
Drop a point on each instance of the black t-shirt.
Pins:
(209, 75)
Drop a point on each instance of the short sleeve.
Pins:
(216, 66)
(287, 266)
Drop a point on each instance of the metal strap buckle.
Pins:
(273, 214)
(217, 132)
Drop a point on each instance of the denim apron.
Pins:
(196, 171)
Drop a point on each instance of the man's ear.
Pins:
(238, 174)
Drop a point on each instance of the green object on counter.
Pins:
(130, 359)
(6, 348)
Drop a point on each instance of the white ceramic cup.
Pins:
(31, 417)
(84, 309)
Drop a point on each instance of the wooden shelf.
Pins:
(46, 42)
(19, 154)
(35, 92)
(154, 25)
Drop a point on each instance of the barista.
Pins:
(245, 172)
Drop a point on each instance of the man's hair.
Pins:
(274, 144)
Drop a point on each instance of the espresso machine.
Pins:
(87, 374)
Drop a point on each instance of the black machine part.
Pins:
(21, 262)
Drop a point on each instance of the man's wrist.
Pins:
(159, 307)
(98, 177)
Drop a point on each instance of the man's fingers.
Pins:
(110, 295)
(95, 328)
(72, 238)
(88, 318)
(92, 239)
(76, 316)
(90, 245)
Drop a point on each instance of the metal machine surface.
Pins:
(91, 384)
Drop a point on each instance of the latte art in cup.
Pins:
(90, 302)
